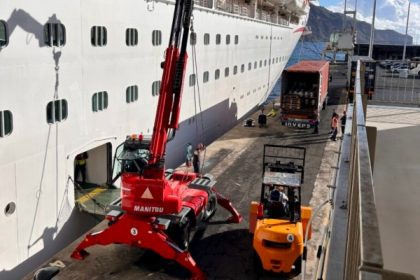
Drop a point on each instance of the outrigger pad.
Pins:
(46, 273)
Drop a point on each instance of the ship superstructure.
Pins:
(80, 76)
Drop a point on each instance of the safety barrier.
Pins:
(355, 247)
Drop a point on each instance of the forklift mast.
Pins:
(281, 158)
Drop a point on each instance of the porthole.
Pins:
(10, 208)
(98, 36)
(155, 88)
(193, 38)
(54, 34)
(218, 39)
(216, 74)
(227, 39)
(206, 76)
(156, 37)
(206, 39)
(131, 37)
(6, 123)
(4, 37)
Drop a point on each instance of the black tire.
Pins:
(259, 270)
(211, 207)
(297, 266)
(180, 234)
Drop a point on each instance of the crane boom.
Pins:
(167, 113)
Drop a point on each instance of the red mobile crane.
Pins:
(159, 208)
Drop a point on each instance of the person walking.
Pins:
(81, 166)
(316, 123)
(343, 122)
(196, 157)
(334, 125)
(334, 114)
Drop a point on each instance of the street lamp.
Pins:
(406, 30)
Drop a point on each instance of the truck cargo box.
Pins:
(303, 92)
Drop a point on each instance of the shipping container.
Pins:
(303, 93)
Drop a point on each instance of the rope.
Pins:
(100, 205)
(197, 95)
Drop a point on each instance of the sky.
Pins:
(390, 14)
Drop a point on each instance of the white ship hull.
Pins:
(37, 158)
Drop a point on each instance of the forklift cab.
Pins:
(281, 196)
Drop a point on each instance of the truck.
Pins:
(304, 91)
(278, 221)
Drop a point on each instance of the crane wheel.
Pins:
(210, 207)
(180, 234)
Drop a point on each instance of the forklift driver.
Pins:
(278, 202)
(277, 194)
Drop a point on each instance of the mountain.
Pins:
(324, 22)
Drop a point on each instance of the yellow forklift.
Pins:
(278, 221)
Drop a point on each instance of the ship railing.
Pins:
(244, 11)
(244, 8)
(283, 20)
(236, 9)
(206, 3)
(354, 250)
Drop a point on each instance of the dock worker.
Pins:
(334, 114)
(278, 206)
(189, 155)
(334, 125)
(343, 122)
(278, 195)
(316, 123)
(196, 157)
(262, 119)
(81, 166)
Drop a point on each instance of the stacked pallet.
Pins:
(291, 102)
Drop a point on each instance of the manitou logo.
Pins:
(147, 194)
(148, 209)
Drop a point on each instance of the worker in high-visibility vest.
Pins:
(80, 166)
(334, 126)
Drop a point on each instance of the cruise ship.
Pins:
(79, 76)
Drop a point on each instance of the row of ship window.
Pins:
(57, 110)
(206, 74)
(55, 35)
(266, 37)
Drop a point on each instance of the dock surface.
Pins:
(223, 251)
